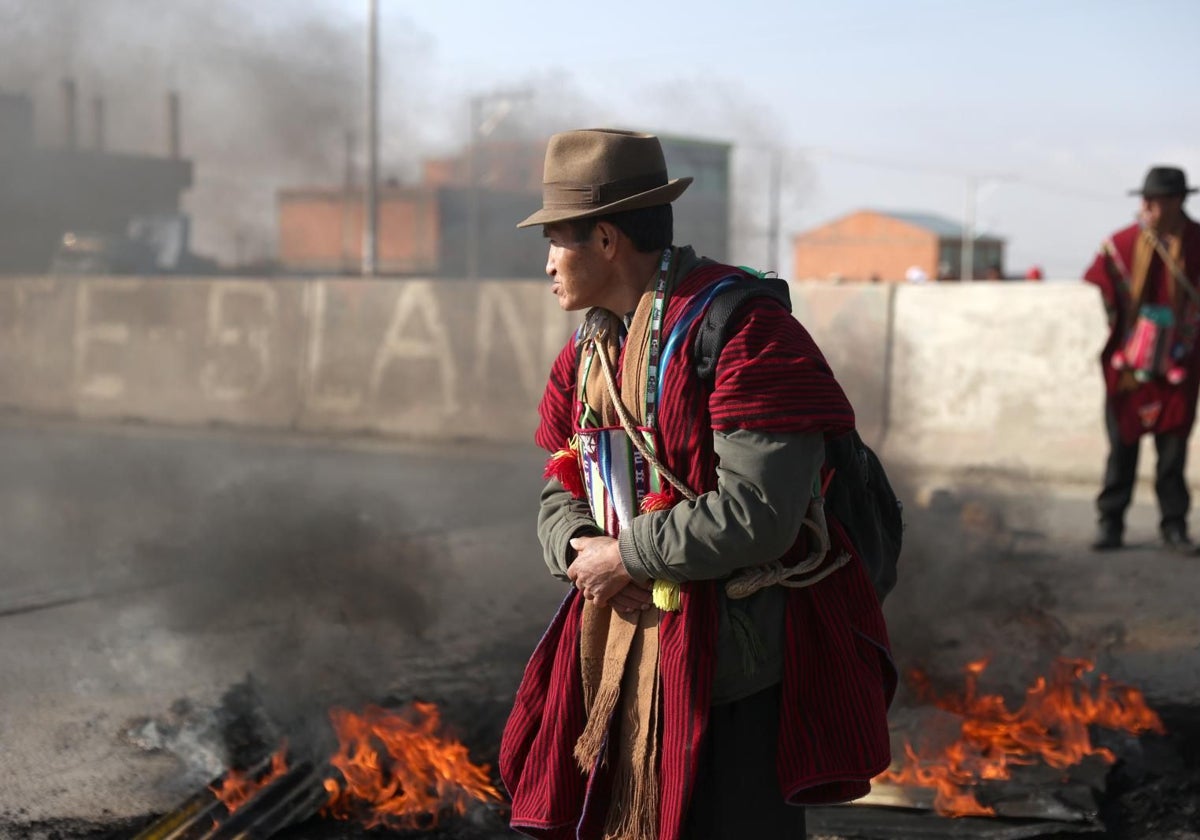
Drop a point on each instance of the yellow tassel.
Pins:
(666, 595)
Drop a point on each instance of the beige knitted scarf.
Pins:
(619, 653)
(1148, 244)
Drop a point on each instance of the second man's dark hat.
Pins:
(1162, 181)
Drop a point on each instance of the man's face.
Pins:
(1162, 212)
(579, 274)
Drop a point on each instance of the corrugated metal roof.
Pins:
(940, 225)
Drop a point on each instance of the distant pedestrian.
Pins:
(1034, 273)
(1148, 274)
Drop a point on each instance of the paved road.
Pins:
(146, 573)
(1002, 569)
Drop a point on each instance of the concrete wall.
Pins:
(851, 324)
(999, 376)
(983, 376)
(413, 358)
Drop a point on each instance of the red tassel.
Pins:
(825, 483)
(662, 500)
(564, 465)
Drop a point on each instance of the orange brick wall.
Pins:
(863, 245)
(438, 172)
(318, 233)
(323, 231)
(408, 233)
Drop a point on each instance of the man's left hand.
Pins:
(597, 570)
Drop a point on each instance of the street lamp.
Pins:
(967, 268)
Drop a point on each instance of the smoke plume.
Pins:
(266, 98)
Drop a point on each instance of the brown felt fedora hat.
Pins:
(597, 171)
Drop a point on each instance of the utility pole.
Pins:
(98, 123)
(775, 192)
(349, 200)
(476, 107)
(967, 271)
(174, 149)
(370, 256)
(70, 129)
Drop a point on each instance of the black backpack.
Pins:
(859, 493)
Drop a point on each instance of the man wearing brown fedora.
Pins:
(1149, 277)
(714, 664)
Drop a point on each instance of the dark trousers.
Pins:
(1121, 472)
(737, 794)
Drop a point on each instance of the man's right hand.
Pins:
(633, 598)
(598, 573)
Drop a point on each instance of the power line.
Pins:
(1070, 192)
(903, 165)
(949, 172)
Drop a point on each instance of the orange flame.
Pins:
(398, 772)
(239, 786)
(1051, 726)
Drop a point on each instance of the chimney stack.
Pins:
(16, 122)
(98, 123)
(70, 130)
(348, 168)
(173, 125)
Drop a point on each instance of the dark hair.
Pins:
(649, 228)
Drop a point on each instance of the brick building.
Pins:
(48, 194)
(882, 245)
(426, 228)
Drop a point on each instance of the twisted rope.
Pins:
(1173, 267)
(745, 582)
(630, 426)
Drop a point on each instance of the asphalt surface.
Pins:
(149, 576)
(147, 573)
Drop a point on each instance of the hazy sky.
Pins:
(1057, 106)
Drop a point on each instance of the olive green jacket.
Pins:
(764, 484)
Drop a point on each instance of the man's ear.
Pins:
(608, 238)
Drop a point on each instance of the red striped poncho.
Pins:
(1155, 407)
(838, 676)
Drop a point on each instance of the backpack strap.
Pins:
(714, 329)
